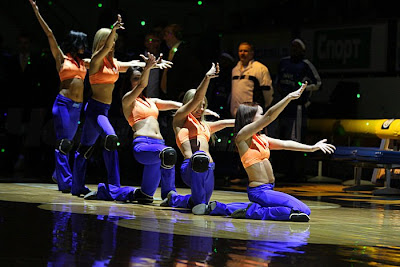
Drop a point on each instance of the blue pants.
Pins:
(201, 184)
(227, 209)
(146, 151)
(66, 114)
(112, 192)
(96, 124)
(274, 205)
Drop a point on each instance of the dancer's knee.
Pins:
(111, 142)
(168, 158)
(200, 161)
(64, 145)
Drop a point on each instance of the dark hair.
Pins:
(245, 115)
(74, 41)
(126, 83)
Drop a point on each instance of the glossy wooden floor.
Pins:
(337, 218)
(330, 223)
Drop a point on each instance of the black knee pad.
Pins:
(200, 162)
(111, 142)
(64, 146)
(168, 158)
(86, 151)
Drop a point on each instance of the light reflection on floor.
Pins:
(150, 235)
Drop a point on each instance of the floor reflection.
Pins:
(93, 239)
(68, 231)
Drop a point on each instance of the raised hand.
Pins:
(151, 61)
(214, 71)
(118, 24)
(324, 147)
(163, 64)
(296, 94)
(34, 6)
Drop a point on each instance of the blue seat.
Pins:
(370, 157)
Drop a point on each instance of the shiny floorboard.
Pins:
(40, 225)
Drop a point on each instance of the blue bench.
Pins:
(369, 157)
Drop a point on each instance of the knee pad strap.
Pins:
(111, 142)
(86, 151)
(64, 146)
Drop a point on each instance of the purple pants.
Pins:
(66, 114)
(96, 124)
(147, 152)
(201, 184)
(227, 209)
(273, 205)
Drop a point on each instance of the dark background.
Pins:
(212, 28)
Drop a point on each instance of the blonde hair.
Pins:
(100, 37)
(189, 95)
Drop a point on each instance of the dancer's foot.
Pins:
(142, 198)
(167, 202)
(241, 213)
(91, 195)
(204, 209)
(297, 216)
(83, 191)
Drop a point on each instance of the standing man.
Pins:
(186, 73)
(251, 81)
(292, 124)
(152, 43)
(292, 70)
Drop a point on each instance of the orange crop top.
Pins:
(107, 74)
(143, 109)
(191, 129)
(257, 152)
(70, 69)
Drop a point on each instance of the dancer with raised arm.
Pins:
(149, 146)
(254, 150)
(103, 73)
(68, 104)
(192, 136)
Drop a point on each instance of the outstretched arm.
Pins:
(166, 104)
(161, 64)
(183, 112)
(55, 50)
(129, 99)
(270, 115)
(216, 126)
(97, 58)
(276, 144)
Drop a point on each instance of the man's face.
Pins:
(152, 44)
(168, 34)
(245, 53)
